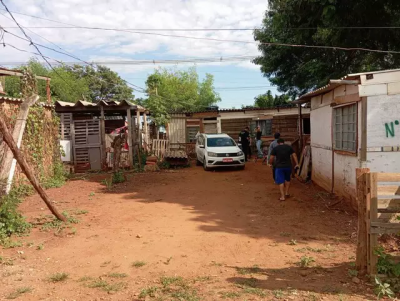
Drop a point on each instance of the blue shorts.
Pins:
(282, 175)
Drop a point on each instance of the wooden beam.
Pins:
(344, 82)
(146, 138)
(300, 130)
(20, 74)
(139, 139)
(103, 139)
(388, 177)
(130, 144)
(340, 100)
(364, 117)
(373, 237)
(9, 163)
(362, 234)
(27, 170)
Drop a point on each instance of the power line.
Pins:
(253, 42)
(71, 26)
(31, 42)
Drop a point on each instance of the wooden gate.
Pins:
(378, 211)
(159, 147)
(87, 145)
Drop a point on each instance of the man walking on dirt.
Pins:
(283, 166)
(271, 147)
(244, 139)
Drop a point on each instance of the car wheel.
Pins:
(205, 164)
(241, 167)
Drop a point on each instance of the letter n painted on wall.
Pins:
(389, 130)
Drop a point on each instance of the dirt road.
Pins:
(187, 235)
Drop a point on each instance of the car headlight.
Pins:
(240, 153)
(211, 154)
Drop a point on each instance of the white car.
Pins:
(217, 150)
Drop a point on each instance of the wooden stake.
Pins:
(26, 169)
(362, 233)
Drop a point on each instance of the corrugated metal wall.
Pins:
(177, 129)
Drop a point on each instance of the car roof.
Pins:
(216, 135)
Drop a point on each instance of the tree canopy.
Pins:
(296, 70)
(178, 90)
(266, 100)
(73, 83)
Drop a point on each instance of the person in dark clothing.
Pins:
(283, 164)
(271, 147)
(244, 139)
(259, 142)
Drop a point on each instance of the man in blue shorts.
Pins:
(283, 164)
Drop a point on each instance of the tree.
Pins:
(264, 100)
(172, 90)
(296, 70)
(103, 83)
(74, 83)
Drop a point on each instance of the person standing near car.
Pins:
(259, 142)
(244, 139)
(271, 147)
(283, 166)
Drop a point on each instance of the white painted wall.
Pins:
(382, 148)
(321, 142)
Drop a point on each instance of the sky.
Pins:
(237, 82)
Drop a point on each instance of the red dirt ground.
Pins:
(202, 226)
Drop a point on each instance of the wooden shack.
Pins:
(84, 125)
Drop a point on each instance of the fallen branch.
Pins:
(27, 170)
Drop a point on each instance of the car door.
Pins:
(200, 150)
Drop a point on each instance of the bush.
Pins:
(11, 221)
(118, 177)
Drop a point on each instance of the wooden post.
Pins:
(373, 238)
(139, 138)
(300, 129)
(130, 129)
(362, 233)
(9, 164)
(146, 138)
(26, 169)
(103, 139)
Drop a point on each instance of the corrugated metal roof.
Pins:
(20, 100)
(288, 106)
(112, 103)
(307, 97)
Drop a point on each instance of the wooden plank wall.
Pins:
(233, 127)
(286, 126)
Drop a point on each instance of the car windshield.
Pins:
(220, 142)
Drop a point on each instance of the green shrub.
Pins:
(118, 177)
(11, 221)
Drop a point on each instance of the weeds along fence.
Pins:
(40, 145)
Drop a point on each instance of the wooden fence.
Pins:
(159, 147)
(378, 197)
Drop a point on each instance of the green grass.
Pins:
(6, 261)
(138, 264)
(247, 282)
(11, 244)
(18, 292)
(229, 295)
(58, 277)
(249, 270)
(292, 242)
(107, 287)
(202, 279)
(306, 261)
(278, 294)
(167, 281)
(285, 234)
(40, 247)
(85, 278)
(148, 291)
(255, 291)
(118, 275)
(185, 294)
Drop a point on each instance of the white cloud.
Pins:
(138, 14)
